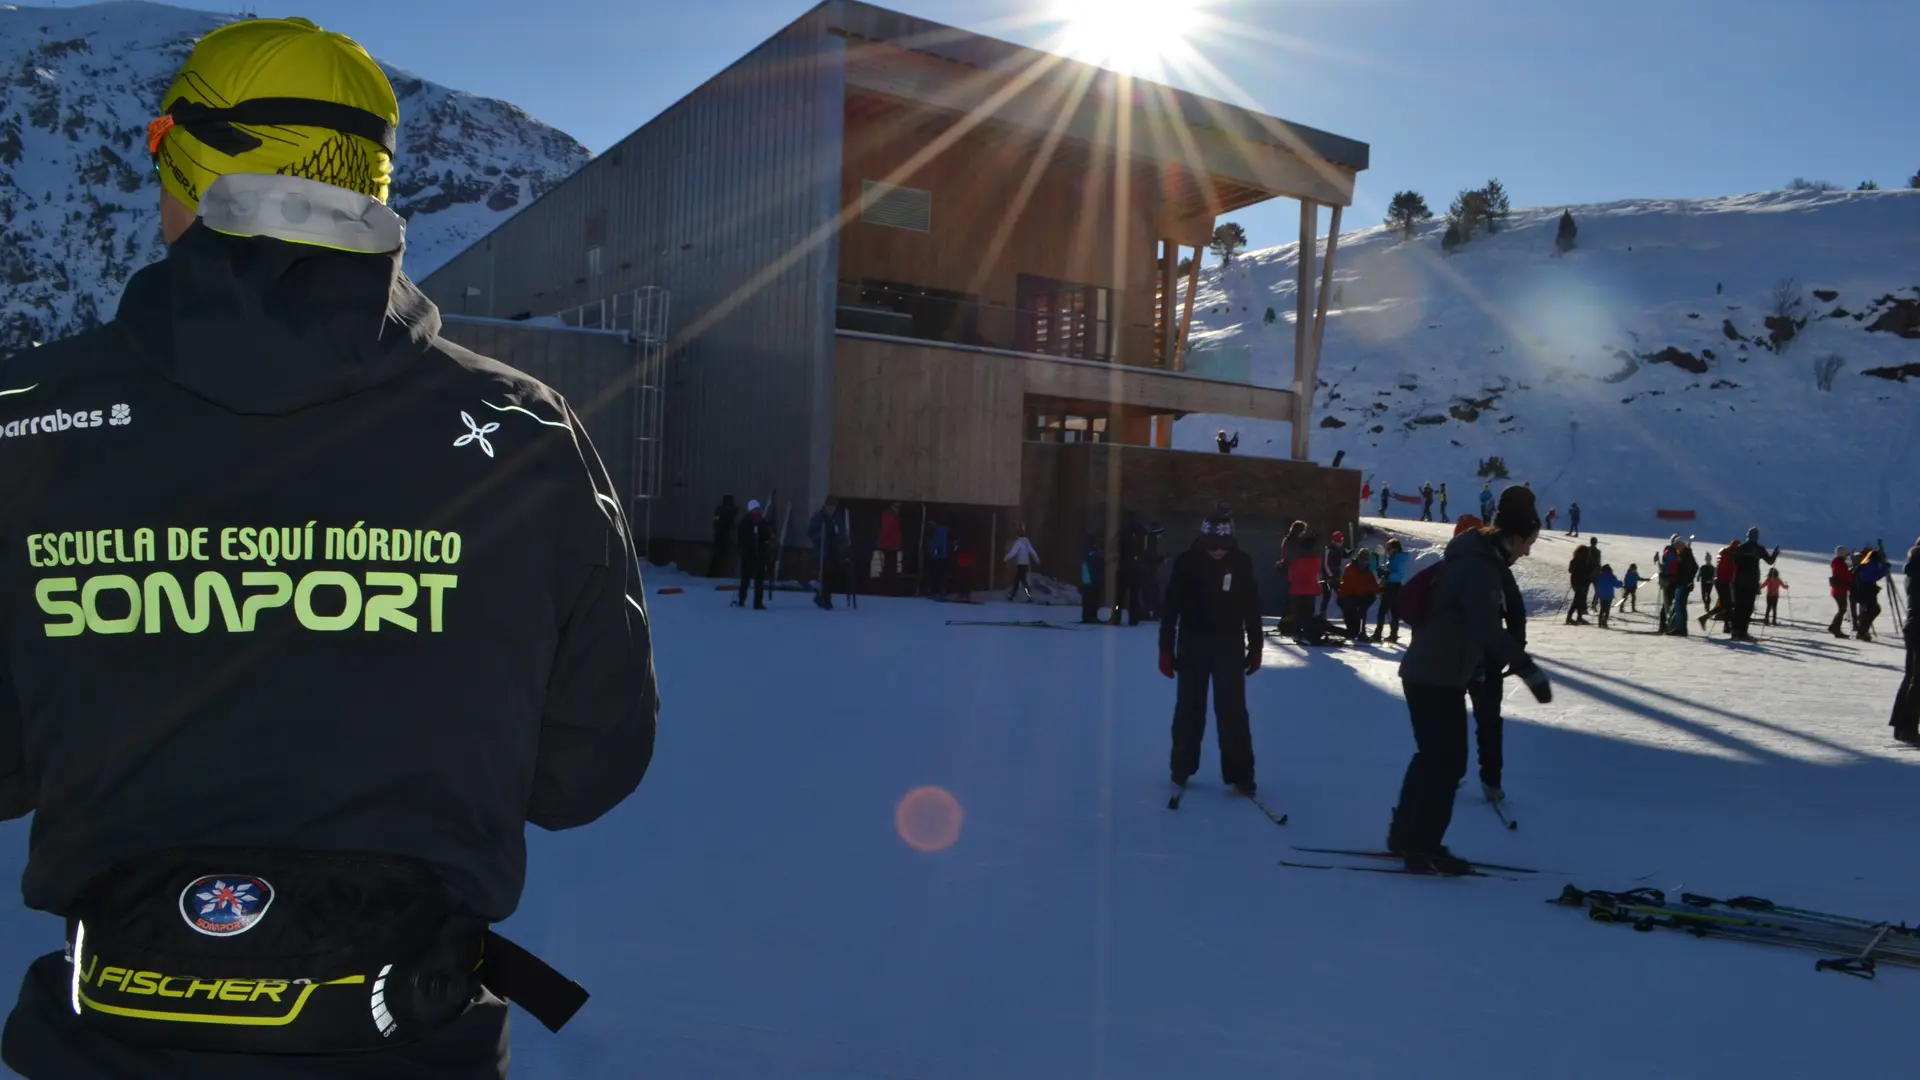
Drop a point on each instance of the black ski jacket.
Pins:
(280, 567)
(1210, 601)
(756, 542)
(1746, 565)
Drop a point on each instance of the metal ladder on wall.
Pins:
(650, 310)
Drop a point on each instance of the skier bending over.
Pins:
(1210, 633)
(1461, 630)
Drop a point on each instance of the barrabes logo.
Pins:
(61, 420)
(222, 905)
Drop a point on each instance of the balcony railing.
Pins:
(1077, 323)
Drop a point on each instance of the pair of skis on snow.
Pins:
(1479, 869)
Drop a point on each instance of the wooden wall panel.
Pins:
(926, 424)
(1156, 391)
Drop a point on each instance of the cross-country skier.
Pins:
(1210, 634)
(1300, 574)
(1867, 575)
(1709, 574)
(1022, 556)
(1443, 502)
(1906, 703)
(1573, 519)
(1580, 569)
(1840, 581)
(1462, 628)
(1605, 584)
(829, 538)
(1398, 565)
(1385, 494)
(281, 783)
(1677, 581)
(1773, 585)
(1630, 589)
(1486, 501)
(1426, 501)
(756, 550)
(1746, 582)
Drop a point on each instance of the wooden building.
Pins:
(912, 264)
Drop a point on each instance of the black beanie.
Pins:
(1516, 513)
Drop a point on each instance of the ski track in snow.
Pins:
(750, 911)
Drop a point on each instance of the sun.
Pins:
(1133, 36)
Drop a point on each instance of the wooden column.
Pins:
(1169, 264)
(1174, 362)
(1303, 375)
(1326, 290)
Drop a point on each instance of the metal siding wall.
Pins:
(742, 169)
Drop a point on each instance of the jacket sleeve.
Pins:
(1171, 604)
(1483, 604)
(597, 725)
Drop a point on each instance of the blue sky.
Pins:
(1565, 101)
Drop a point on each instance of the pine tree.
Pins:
(1468, 212)
(1564, 238)
(1407, 210)
(1228, 238)
(1867, 185)
(1452, 239)
(1914, 180)
(1493, 198)
(1268, 317)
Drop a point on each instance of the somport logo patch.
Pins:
(222, 905)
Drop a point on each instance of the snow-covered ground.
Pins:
(1635, 373)
(754, 910)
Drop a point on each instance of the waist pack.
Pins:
(288, 952)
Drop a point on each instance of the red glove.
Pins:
(1166, 662)
(1253, 660)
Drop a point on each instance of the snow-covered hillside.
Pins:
(78, 194)
(1635, 373)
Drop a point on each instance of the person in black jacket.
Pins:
(1210, 633)
(309, 613)
(723, 519)
(1746, 582)
(1906, 702)
(756, 551)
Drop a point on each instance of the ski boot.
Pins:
(1438, 861)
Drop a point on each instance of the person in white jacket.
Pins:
(1021, 555)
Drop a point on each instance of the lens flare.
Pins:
(1132, 36)
(928, 819)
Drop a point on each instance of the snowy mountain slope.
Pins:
(1636, 373)
(78, 195)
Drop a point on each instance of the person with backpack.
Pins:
(1461, 608)
(1210, 634)
(1678, 579)
(1867, 575)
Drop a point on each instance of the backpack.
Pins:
(1415, 602)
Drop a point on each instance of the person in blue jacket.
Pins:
(1630, 589)
(1397, 564)
(1605, 584)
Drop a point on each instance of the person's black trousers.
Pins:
(1389, 598)
(1439, 715)
(1089, 603)
(1906, 703)
(757, 574)
(1222, 661)
(1773, 609)
(1743, 598)
(1020, 583)
(1489, 725)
